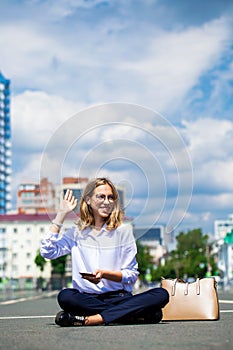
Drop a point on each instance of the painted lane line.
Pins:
(8, 302)
(224, 311)
(35, 297)
(226, 301)
(25, 317)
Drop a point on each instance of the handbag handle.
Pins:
(174, 285)
(198, 289)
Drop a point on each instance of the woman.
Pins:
(104, 266)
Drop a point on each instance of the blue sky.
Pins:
(173, 58)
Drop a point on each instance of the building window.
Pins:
(28, 243)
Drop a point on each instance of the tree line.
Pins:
(191, 258)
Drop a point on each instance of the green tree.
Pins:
(40, 263)
(59, 267)
(190, 258)
(144, 259)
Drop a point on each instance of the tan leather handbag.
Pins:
(191, 300)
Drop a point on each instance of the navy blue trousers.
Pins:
(113, 306)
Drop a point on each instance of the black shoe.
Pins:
(154, 317)
(64, 319)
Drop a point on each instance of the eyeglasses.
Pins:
(101, 198)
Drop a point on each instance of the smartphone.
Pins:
(87, 274)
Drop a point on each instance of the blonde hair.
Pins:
(86, 215)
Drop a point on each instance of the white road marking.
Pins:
(226, 301)
(13, 301)
(222, 311)
(25, 317)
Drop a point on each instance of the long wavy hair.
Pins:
(86, 215)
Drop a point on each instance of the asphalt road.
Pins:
(28, 324)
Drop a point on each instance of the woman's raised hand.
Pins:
(68, 203)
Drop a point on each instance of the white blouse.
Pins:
(90, 250)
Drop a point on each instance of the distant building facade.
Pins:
(76, 184)
(222, 227)
(20, 240)
(5, 146)
(153, 238)
(223, 234)
(34, 198)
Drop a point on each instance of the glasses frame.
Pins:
(101, 198)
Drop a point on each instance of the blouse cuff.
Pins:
(51, 235)
(125, 277)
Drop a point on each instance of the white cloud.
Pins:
(210, 146)
(35, 117)
(174, 61)
(214, 176)
(29, 46)
(209, 140)
(155, 70)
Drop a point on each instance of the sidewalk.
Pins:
(25, 294)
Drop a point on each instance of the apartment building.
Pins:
(20, 240)
(36, 198)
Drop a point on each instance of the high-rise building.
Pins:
(5, 145)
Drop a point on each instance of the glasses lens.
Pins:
(102, 198)
(111, 199)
